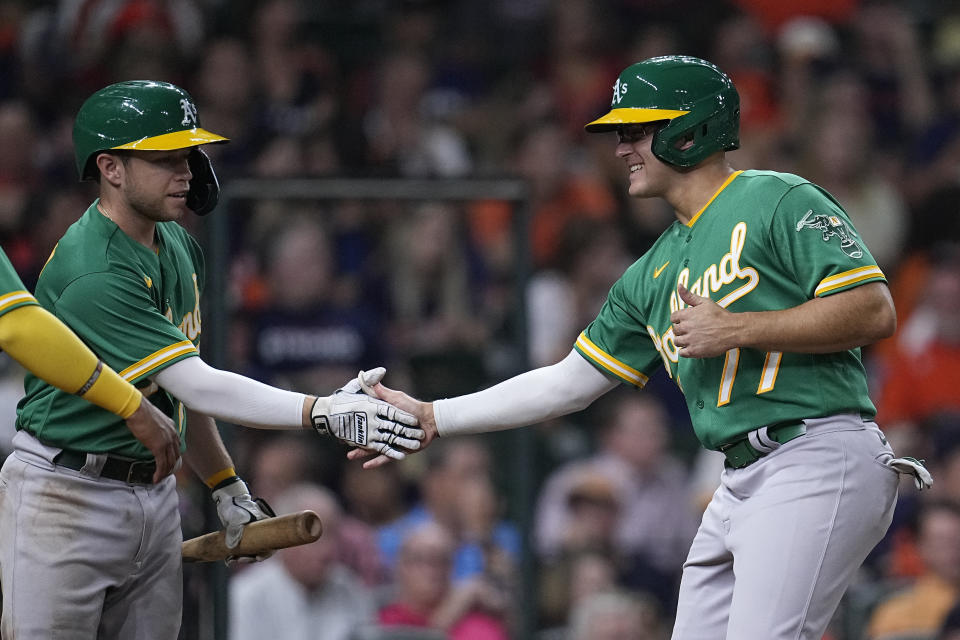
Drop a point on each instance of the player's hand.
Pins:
(703, 329)
(422, 411)
(357, 419)
(156, 431)
(237, 508)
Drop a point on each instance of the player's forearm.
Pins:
(845, 320)
(531, 397)
(206, 453)
(46, 347)
(233, 398)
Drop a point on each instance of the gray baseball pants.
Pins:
(83, 557)
(783, 537)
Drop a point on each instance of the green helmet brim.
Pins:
(174, 140)
(619, 117)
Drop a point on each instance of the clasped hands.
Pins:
(355, 416)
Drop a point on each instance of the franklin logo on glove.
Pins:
(360, 419)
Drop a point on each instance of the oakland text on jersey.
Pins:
(191, 323)
(725, 271)
(721, 273)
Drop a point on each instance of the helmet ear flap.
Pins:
(712, 124)
(204, 188)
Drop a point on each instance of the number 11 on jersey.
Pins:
(731, 361)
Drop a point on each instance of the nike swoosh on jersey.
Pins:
(657, 272)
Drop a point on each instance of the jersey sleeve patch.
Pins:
(860, 275)
(157, 359)
(609, 363)
(833, 226)
(14, 299)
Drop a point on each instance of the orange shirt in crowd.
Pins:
(918, 386)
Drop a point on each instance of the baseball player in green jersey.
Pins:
(756, 300)
(89, 535)
(49, 350)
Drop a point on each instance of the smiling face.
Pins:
(649, 176)
(154, 184)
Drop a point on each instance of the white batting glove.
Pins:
(236, 508)
(358, 420)
(914, 468)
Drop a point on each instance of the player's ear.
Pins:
(110, 166)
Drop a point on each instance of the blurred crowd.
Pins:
(859, 96)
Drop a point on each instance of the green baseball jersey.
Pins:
(137, 309)
(13, 294)
(765, 241)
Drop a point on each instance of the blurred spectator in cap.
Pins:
(633, 474)
(574, 575)
(593, 509)
(605, 501)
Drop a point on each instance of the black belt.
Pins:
(123, 469)
(742, 453)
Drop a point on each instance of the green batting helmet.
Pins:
(138, 114)
(697, 99)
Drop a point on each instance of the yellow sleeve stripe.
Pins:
(610, 363)
(847, 278)
(17, 297)
(156, 359)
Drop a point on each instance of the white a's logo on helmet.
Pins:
(619, 90)
(189, 113)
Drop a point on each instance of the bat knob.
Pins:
(311, 524)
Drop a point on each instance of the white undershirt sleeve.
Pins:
(231, 397)
(541, 394)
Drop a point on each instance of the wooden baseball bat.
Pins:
(302, 527)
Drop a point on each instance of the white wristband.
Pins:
(541, 394)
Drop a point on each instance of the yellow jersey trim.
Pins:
(156, 359)
(14, 298)
(845, 279)
(611, 364)
(713, 197)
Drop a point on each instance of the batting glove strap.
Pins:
(358, 420)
